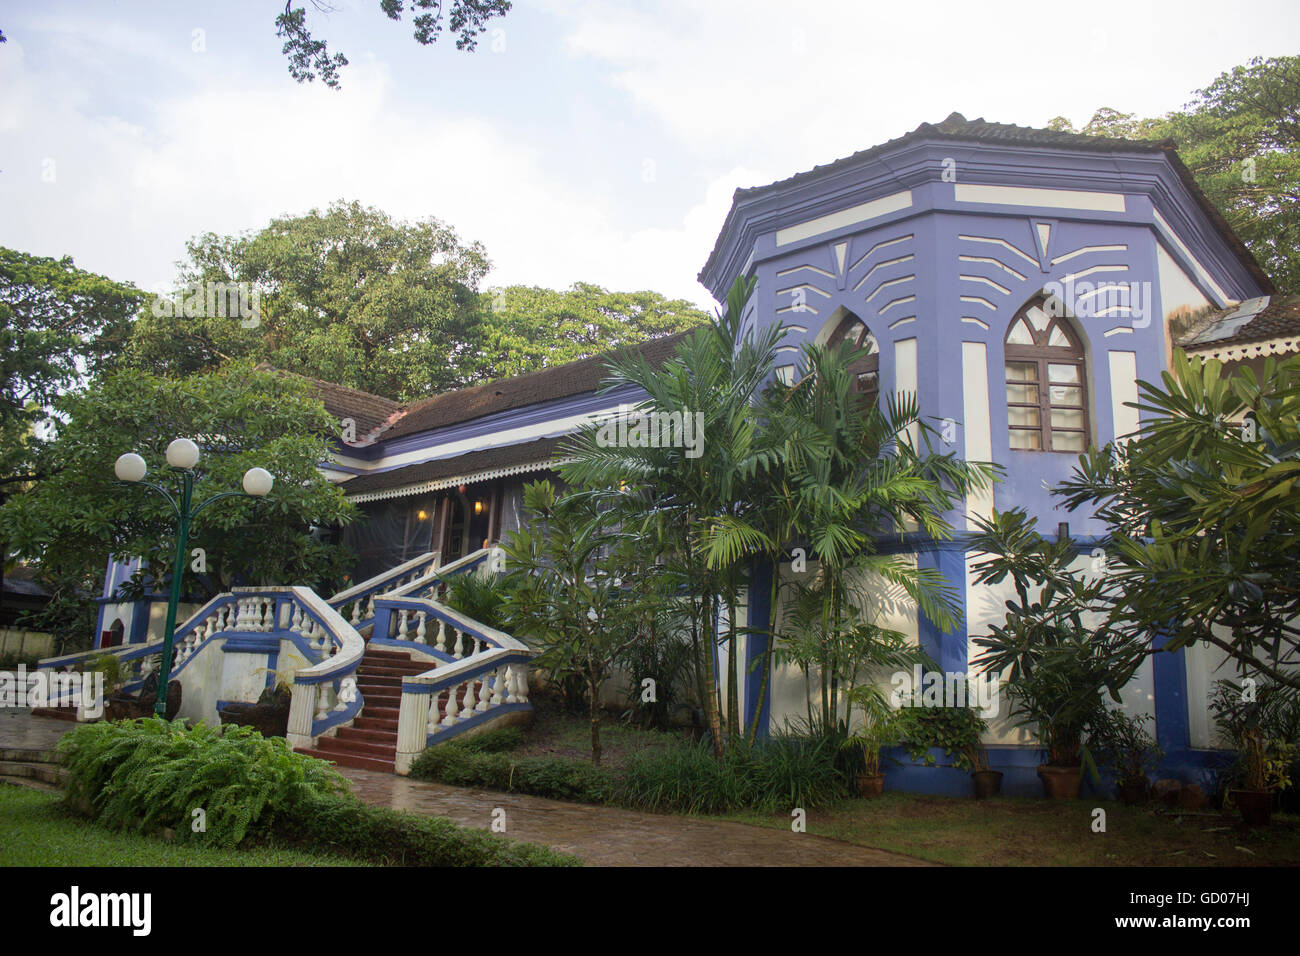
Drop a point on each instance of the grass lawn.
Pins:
(34, 831)
(1031, 832)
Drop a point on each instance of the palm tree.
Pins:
(672, 496)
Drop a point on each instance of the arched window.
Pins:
(865, 371)
(1047, 398)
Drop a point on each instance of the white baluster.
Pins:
(442, 635)
(484, 692)
(468, 701)
(402, 615)
(370, 607)
(419, 630)
(356, 611)
(455, 644)
(324, 692)
(521, 685)
(449, 716)
(431, 725)
(499, 692)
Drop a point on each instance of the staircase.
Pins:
(371, 742)
(34, 769)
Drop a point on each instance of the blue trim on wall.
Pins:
(469, 723)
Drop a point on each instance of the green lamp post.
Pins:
(182, 456)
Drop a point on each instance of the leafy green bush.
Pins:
(150, 773)
(781, 772)
(10, 660)
(479, 596)
(345, 825)
(496, 740)
(463, 764)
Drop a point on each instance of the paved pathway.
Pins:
(19, 730)
(602, 836)
(606, 836)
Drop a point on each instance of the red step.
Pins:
(351, 760)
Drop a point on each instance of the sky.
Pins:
(581, 141)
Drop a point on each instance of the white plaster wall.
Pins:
(1123, 389)
(976, 423)
(986, 606)
(892, 608)
(201, 684)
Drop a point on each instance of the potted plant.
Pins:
(1263, 762)
(1057, 668)
(879, 728)
(958, 732)
(1130, 753)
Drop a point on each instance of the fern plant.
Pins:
(149, 773)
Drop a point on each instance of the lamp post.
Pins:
(182, 456)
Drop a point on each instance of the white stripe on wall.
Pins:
(975, 409)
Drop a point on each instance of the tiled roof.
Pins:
(957, 127)
(490, 459)
(370, 412)
(378, 417)
(1255, 320)
(532, 388)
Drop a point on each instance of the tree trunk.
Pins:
(593, 687)
(714, 700)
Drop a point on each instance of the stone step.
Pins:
(351, 760)
(375, 723)
(368, 735)
(44, 772)
(30, 756)
(335, 745)
(29, 783)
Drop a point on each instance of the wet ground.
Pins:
(606, 836)
(602, 836)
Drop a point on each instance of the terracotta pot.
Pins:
(988, 783)
(1256, 806)
(1060, 783)
(1133, 792)
(870, 785)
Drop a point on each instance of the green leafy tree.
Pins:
(1203, 510)
(71, 521)
(309, 57)
(525, 328)
(347, 295)
(858, 473)
(670, 494)
(1241, 140)
(58, 324)
(574, 589)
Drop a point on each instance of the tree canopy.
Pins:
(1240, 137)
(351, 296)
(309, 57)
(525, 328)
(78, 514)
(348, 295)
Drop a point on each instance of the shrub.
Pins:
(462, 764)
(10, 660)
(345, 825)
(781, 772)
(150, 774)
(493, 741)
